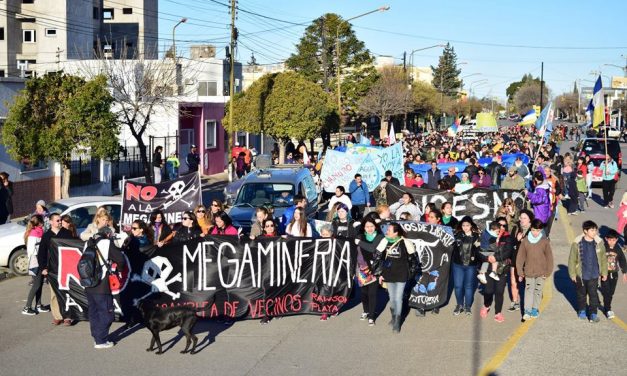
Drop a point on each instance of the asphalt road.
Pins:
(556, 343)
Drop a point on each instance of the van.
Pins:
(273, 186)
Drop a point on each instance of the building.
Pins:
(35, 32)
(32, 181)
(194, 109)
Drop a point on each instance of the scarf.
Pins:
(370, 237)
(493, 234)
(532, 239)
(446, 219)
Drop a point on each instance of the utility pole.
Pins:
(232, 82)
(541, 84)
(325, 77)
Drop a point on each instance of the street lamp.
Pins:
(411, 57)
(477, 83)
(624, 69)
(468, 75)
(337, 51)
(183, 20)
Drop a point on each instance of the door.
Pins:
(186, 140)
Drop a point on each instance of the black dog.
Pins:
(158, 319)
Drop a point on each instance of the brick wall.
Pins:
(27, 193)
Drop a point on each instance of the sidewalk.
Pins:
(558, 342)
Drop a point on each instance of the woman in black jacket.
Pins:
(369, 238)
(464, 262)
(188, 229)
(398, 262)
(494, 289)
(343, 225)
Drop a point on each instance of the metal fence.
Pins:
(86, 171)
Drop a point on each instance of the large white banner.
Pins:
(339, 168)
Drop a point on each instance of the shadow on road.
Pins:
(565, 285)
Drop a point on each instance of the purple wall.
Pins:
(212, 160)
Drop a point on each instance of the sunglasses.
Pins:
(215, 205)
(503, 224)
(201, 211)
(134, 228)
(268, 226)
(186, 218)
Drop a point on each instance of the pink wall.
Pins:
(212, 160)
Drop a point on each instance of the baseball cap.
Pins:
(193, 146)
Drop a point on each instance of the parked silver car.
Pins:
(81, 209)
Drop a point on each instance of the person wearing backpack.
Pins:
(99, 298)
(56, 231)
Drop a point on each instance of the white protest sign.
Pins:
(339, 168)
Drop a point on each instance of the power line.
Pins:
(492, 44)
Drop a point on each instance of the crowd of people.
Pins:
(513, 253)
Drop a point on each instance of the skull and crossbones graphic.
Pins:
(156, 273)
(176, 193)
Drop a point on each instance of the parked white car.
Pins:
(81, 209)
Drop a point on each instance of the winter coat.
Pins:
(433, 177)
(399, 208)
(541, 202)
(574, 259)
(465, 249)
(486, 182)
(496, 170)
(359, 193)
(515, 182)
(535, 260)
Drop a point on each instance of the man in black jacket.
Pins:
(391, 179)
(192, 160)
(433, 176)
(56, 231)
(496, 170)
(451, 178)
(99, 298)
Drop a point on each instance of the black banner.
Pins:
(172, 197)
(480, 204)
(221, 276)
(434, 245)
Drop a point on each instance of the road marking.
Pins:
(619, 322)
(547, 295)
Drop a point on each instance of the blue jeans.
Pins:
(465, 278)
(395, 291)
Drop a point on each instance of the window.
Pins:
(129, 44)
(28, 36)
(51, 32)
(28, 1)
(211, 128)
(1, 73)
(96, 13)
(1, 33)
(27, 165)
(107, 13)
(127, 10)
(207, 88)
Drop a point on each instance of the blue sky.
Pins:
(501, 40)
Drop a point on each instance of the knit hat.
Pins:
(513, 169)
(41, 203)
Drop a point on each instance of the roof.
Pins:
(277, 175)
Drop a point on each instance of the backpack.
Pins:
(89, 265)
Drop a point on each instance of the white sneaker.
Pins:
(106, 345)
(370, 322)
(494, 276)
(610, 315)
(481, 278)
(363, 316)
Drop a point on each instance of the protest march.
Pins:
(411, 216)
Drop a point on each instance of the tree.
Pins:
(316, 60)
(389, 96)
(528, 95)
(424, 97)
(446, 74)
(57, 114)
(567, 104)
(514, 86)
(282, 105)
(140, 87)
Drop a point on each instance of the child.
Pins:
(534, 264)
(487, 249)
(615, 260)
(586, 263)
(582, 188)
